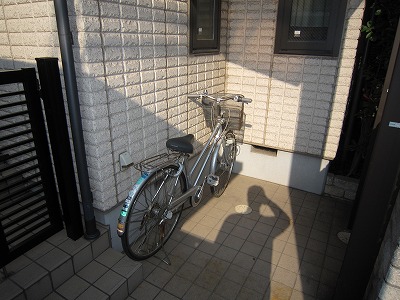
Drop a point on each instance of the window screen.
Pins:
(309, 20)
(310, 27)
(205, 19)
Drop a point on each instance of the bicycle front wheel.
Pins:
(224, 163)
(150, 222)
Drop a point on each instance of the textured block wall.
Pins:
(134, 73)
(299, 101)
(26, 31)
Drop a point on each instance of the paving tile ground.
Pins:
(286, 248)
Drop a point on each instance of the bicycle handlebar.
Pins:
(221, 97)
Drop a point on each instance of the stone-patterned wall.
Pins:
(133, 72)
(341, 187)
(299, 101)
(26, 31)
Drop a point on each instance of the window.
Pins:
(310, 27)
(205, 22)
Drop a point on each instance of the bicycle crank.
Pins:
(213, 180)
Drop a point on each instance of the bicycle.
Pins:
(154, 205)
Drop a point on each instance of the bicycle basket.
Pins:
(232, 112)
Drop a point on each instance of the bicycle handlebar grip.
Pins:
(245, 100)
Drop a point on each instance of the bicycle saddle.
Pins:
(181, 144)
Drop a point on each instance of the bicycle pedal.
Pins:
(213, 180)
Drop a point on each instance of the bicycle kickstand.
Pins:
(166, 258)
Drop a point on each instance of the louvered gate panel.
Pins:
(29, 209)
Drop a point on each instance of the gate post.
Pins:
(53, 102)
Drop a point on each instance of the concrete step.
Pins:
(61, 268)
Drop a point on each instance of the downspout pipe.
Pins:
(65, 38)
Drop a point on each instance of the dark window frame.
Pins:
(211, 46)
(329, 47)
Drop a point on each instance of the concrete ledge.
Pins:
(299, 171)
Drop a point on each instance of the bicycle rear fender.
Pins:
(135, 189)
(128, 202)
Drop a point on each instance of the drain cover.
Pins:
(243, 209)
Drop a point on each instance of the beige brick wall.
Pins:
(27, 31)
(134, 75)
(299, 101)
(134, 71)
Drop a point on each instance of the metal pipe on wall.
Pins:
(64, 35)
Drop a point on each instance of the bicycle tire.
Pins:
(145, 234)
(224, 163)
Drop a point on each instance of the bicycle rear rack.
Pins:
(155, 162)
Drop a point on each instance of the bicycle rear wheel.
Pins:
(224, 163)
(149, 223)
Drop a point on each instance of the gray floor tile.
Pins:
(251, 249)
(246, 293)
(29, 275)
(217, 266)
(9, 290)
(284, 276)
(233, 242)
(39, 250)
(306, 285)
(209, 247)
(54, 296)
(113, 285)
(58, 238)
(101, 244)
(39, 289)
(196, 293)
(145, 291)
(189, 271)
(165, 296)
(72, 288)
(227, 289)
(199, 258)
(93, 293)
(92, 271)
(159, 277)
(53, 259)
(277, 290)
(109, 257)
(208, 279)
(244, 260)
(16, 265)
(178, 286)
(226, 253)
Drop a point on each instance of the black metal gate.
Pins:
(29, 207)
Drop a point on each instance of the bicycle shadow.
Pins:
(217, 251)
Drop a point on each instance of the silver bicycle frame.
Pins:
(211, 147)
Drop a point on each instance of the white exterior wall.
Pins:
(27, 31)
(134, 74)
(299, 101)
(134, 71)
